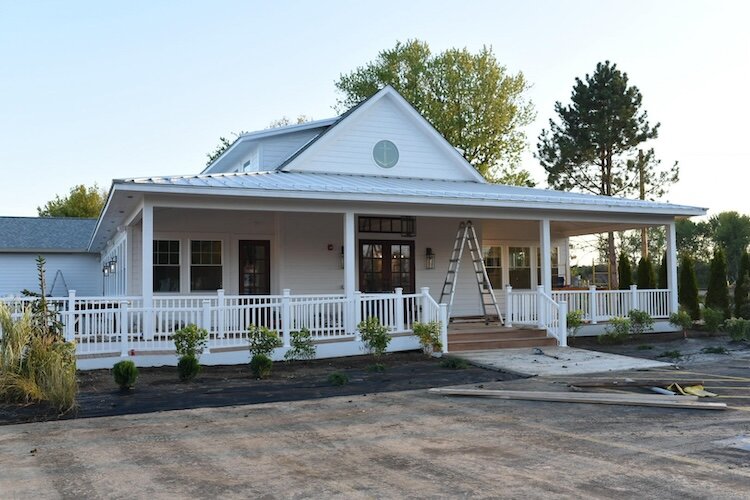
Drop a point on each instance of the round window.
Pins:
(385, 154)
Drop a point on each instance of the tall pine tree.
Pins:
(662, 281)
(742, 288)
(717, 295)
(646, 275)
(688, 288)
(624, 271)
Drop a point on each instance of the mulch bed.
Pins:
(159, 389)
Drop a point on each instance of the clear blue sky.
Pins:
(91, 91)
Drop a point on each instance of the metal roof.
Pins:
(356, 187)
(56, 234)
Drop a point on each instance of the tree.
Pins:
(471, 99)
(624, 272)
(717, 295)
(594, 148)
(742, 289)
(687, 293)
(646, 275)
(694, 238)
(82, 201)
(731, 231)
(284, 121)
(662, 281)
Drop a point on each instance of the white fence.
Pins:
(602, 305)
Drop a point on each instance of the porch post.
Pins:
(399, 310)
(444, 327)
(70, 317)
(349, 274)
(545, 254)
(123, 324)
(147, 268)
(593, 313)
(634, 297)
(508, 307)
(674, 304)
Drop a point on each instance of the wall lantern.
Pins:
(105, 270)
(112, 265)
(342, 257)
(429, 259)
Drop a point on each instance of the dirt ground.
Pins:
(404, 444)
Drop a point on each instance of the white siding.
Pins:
(81, 272)
(349, 149)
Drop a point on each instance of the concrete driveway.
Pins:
(397, 445)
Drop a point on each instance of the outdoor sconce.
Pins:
(105, 270)
(342, 257)
(429, 259)
(112, 265)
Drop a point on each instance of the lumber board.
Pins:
(587, 397)
(632, 383)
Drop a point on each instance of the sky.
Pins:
(91, 91)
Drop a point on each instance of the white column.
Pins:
(147, 268)
(508, 306)
(634, 297)
(545, 255)
(349, 267)
(286, 317)
(674, 304)
(593, 313)
(70, 317)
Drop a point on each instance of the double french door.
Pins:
(385, 265)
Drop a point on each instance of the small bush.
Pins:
(189, 341)
(261, 365)
(738, 329)
(188, 367)
(644, 347)
(715, 350)
(616, 332)
(376, 368)
(640, 322)
(575, 322)
(125, 373)
(681, 319)
(670, 354)
(263, 341)
(338, 378)
(303, 346)
(429, 336)
(454, 363)
(375, 336)
(713, 319)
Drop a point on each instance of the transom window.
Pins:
(405, 226)
(166, 257)
(205, 265)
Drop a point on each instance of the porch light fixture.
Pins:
(105, 270)
(112, 265)
(342, 257)
(429, 259)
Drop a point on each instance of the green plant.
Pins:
(125, 373)
(263, 341)
(429, 336)
(188, 367)
(681, 319)
(616, 331)
(574, 322)
(645, 347)
(640, 322)
(670, 354)
(302, 345)
(261, 365)
(44, 320)
(646, 276)
(376, 368)
(688, 290)
(190, 341)
(742, 288)
(717, 295)
(715, 350)
(713, 319)
(338, 378)
(738, 329)
(624, 271)
(375, 336)
(454, 363)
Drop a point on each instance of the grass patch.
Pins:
(715, 350)
(670, 354)
(338, 378)
(645, 347)
(454, 363)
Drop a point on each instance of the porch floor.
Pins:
(475, 336)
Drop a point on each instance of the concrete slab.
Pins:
(556, 361)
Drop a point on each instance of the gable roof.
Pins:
(387, 91)
(49, 234)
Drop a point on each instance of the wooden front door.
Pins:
(255, 267)
(385, 265)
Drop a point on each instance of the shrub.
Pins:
(681, 319)
(717, 295)
(375, 336)
(624, 271)
(662, 278)
(640, 322)
(376, 368)
(574, 322)
(261, 365)
(454, 363)
(688, 290)
(715, 350)
(646, 275)
(742, 288)
(670, 354)
(429, 336)
(616, 331)
(302, 346)
(263, 341)
(738, 329)
(125, 373)
(190, 341)
(188, 367)
(338, 378)
(713, 319)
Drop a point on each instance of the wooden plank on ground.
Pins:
(587, 397)
(632, 383)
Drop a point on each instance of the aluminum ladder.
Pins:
(467, 234)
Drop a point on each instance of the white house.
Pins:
(321, 224)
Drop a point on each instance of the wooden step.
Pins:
(500, 333)
(503, 343)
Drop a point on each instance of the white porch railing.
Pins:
(538, 309)
(602, 305)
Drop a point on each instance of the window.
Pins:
(405, 226)
(166, 265)
(493, 262)
(554, 264)
(205, 265)
(519, 267)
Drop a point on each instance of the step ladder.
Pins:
(467, 235)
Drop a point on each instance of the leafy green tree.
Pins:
(717, 295)
(646, 275)
(662, 281)
(742, 289)
(82, 201)
(694, 238)
(687, 294)
(624, 271)
(731, 231)
(595, 146)
(471, 99)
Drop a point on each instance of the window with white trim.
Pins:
(205, 266)
(166, 265)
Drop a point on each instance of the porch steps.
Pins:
(475, 336)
